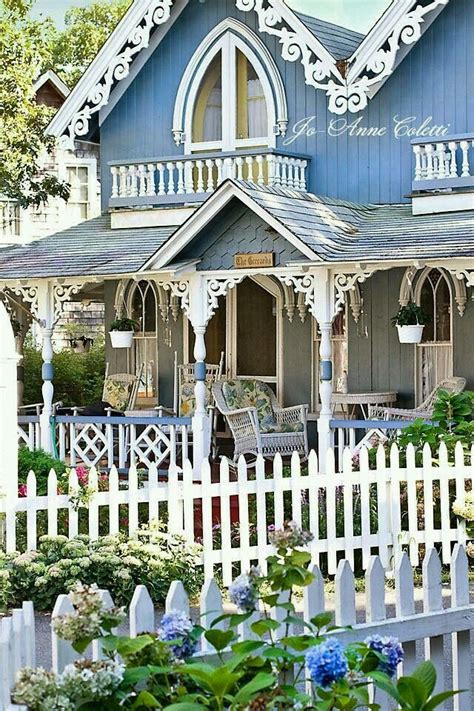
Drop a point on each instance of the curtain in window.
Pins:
(212, 126)
(257, 109)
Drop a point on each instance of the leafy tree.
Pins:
(86, 30)
(24, 52)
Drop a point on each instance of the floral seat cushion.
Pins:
(117, 393)
(283, 427)
(187, 404)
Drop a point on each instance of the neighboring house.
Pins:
(259, 168)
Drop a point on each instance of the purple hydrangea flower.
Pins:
(391, 649)
(244, 591)
(177, 627)
(327, 663)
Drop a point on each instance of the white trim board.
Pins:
(369, 67)
(212, 207)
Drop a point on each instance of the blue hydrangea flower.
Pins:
(391, 649)
(327, 663)
(177, 627)
(243, 592)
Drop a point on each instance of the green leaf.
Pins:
(426, 674)
(439, 699)
(261, 627)
(247, 647)
(322, 620)
(80, 645)
(412, 690)
(219, 639)
(147, 700)
(260, 682)
(127, 646)
(383, 682)
(135, 675)
(185, 706)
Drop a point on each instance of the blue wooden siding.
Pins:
(434, 80)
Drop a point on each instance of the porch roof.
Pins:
(89, 248)
(335, 231)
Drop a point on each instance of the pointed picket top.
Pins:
(345, 595)
(52, 483)
(141, 612)
(224, 471)
(404, 587)
(381, 458)
(427, 456)
(443, 455)
(330, 462)
(177, 598)
(93, 478)
(31, 485)
(459, 456)
(363, 459)
(108, 604)
(432, 587)
(411, 461)
(206, 472)
(278, 463)
(313, 464)
(62, 651)
(242, 470)
(260, 466)
(375, 590)
(313, 594)
(210, 604)
(113, 478)
(347, 461)
(18, 630)
(73, 481)
(295, 464)
(394, 456)
(132, 478)
(459, 577)
(188, 473)
(29, 623)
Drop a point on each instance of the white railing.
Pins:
(353, 434)
(445, 632)
(178, 178)
(449, 162)
(392, 507)
(29, 433)
(123, 441)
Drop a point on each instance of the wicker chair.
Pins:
(423, 411)
(257, 422)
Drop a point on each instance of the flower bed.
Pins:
(116, 563)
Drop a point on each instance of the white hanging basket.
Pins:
(410, 334)
(121, 339)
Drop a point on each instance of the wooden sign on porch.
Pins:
(254, 261)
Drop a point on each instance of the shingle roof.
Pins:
(339, 231)
(339, 41)
(90, 248)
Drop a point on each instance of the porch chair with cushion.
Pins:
(424, 411)
(119, 393)
(258, 423)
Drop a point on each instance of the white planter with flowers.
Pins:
(121, 332)
(410, 322)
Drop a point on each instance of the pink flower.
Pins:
(22, 490)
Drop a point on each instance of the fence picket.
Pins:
(383, 509)
(52, 503)
(30, 634)
(207, 523)
(461, 473)
(62, 651)
(114, 518)
(132, 501)
(405, 605)
(226, 533)
(108, 603)
(244, 528)
(188, 500)
(278, 505)
(428, 483)
(31, 514)
(141, 612)
(365, 507)
(177, 598)
(261, 514)
(348, 497)
(210, 608)
(93, 505)
(6, 663)
(296, 489)
(461, 641)
(445, 472)
(73, 513)
(396, 516)
(345, 595)
(375, 590)
(433, 602)
(331, 510)
(412, 506)
(313, 502)
(313, 595)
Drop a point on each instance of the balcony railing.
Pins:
(193, 178)
(446, 163)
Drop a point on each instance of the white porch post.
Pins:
(198, 315)
(46, 318)
(325, 389)
(8, 409)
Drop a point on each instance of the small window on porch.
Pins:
(144, 310)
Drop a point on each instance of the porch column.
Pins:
(325, 389)
(198, 315)
(8, 415)
(46, 318)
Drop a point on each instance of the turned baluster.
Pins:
(260, 175)
(200, 176)
(229, 168)
(284, 172)
(150, 180)
(115, 182)
(141, 180)
(239, 161)
(271, 169)
(219, 165)
(291, 173)
(249, 163)
(465, 159)
(304, 165)
(171, 185)
(180, 169)
(210, 175)
(441, 158)
(418, 170)
(123, 189)
(161, 178)
(429, 162)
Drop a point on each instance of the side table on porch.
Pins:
(351, 401)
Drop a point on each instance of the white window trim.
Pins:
(91, 165)
(226, 37)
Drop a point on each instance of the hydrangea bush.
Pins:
(277, 669)
(115, 563)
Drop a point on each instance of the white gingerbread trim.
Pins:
(215, 287)
(413, 279)
(62, 292)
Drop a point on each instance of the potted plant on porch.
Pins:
(410, 322)
(121, 332)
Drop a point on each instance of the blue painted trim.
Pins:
(47, 371)
(212, 154)
(28, 419)
(79, 420)
(200, 371)
(372, 424)
(443, 139)
(325, 370)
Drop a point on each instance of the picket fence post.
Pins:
(142, 612)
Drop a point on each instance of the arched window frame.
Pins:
(226, 38)
(424, 277)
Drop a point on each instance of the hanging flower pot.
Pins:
(410, 334)
(410, 322)
(121, 332)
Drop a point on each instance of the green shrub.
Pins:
(115, 563)
(78, 377)
(41, 463)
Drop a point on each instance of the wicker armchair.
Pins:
(257, 422)
(423, 411)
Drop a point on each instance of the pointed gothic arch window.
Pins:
(143, 307)
(231, 95)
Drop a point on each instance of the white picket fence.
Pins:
(351, 514)
(442, 629)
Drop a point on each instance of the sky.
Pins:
(359, 15)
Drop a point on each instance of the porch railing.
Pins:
(445, 163)
(192, 178)
(29, 431)
(347, 434)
